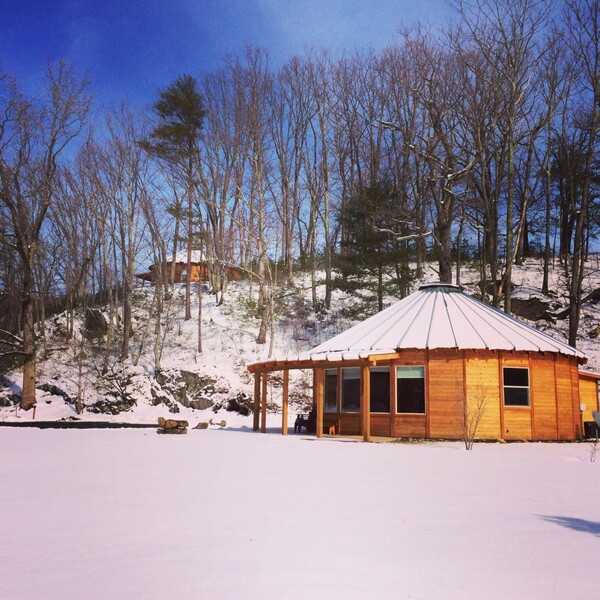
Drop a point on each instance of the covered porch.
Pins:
(371, 397)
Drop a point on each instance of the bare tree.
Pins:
(506, 38)
(406, 167)
(473, 412)
(224, 151)
(289, 123)
(125, 178)
(583, 38)
(157, 227)
(556, 83)
(254, 82)
(33, 136)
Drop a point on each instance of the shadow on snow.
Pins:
(582, 525)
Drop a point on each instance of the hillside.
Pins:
(202, 387)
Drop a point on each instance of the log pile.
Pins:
(172, 426)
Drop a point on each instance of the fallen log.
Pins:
(174, 430)
(174, 426)
(171, 423)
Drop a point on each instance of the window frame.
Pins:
(516, 387)
(380, 369)
(424, 378)
(326, 407)
(343, 409)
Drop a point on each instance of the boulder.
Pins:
(158, 397)
(532, 309)
(96, 324)
(199, 404)
(190, 389)
(8, 400)
(56, 391)
(240, 403)
(112, 405)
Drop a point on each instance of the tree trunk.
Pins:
(444, 240)
(548, 194)
(188, 291)
(200, 316)
(507, 279)
(264, 321)
(380, 287)
(28, 392)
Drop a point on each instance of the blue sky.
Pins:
(131, 48)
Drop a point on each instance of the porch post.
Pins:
(263, 411)
(365, 402)
(319, 373)
(256, 406)
(284, 406)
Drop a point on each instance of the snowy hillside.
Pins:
(200, 387)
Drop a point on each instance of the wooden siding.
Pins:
(577, 416)
(543, 396)
(564, 399)
(410, 426)
(516, 420)
(349, 423)
(444, 390)
(381, 425)
(482, 381)
(588, 395)
(517, 423)
(408, 357)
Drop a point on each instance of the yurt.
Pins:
(435, 365)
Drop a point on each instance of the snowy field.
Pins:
(235, 514)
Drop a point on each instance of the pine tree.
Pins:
(180, 111)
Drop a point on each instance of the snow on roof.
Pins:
(181, 256)
(438, 316)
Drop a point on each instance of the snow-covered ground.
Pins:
(228, 513)
(235, 514)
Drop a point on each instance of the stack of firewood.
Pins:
(171, 426)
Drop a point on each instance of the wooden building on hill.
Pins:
(179, 269)
(199, 270)
(433, 361)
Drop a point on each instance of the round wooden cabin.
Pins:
(433, 365)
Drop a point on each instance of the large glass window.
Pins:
(351, 389)
(331, 390)
(410, 389)
(516, 386)
(380, 389)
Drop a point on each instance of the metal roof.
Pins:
(438, 316)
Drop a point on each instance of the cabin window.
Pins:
(183, 275)
(410, 389)
(516, 386)
(351, 389)
(380, 389)
(331, 386)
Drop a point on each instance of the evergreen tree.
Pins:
(180, 112)
(373, 225)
